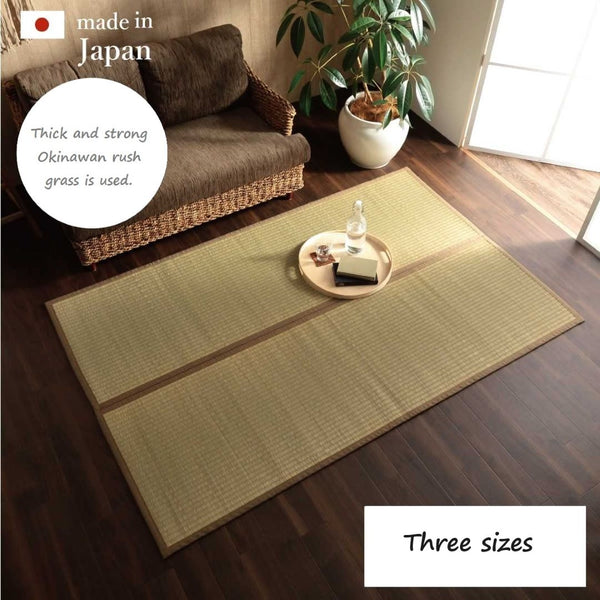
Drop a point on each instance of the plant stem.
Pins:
(367, 92)
(335, 54)
(344, 15)
(365, 88)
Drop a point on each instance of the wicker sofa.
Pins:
(229, 136)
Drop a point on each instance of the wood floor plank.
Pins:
(412, 469)
(582, 410)
(394, 488)
(512, 473)
(195, 574)
(529, 442)
(357, 482)
(229, 570)
(301, 504)
(337, 565)
(514, 377)
(164, 585)
(277, 556)
(592, 498)
(456, 447)
(432, 451)
(340, 511)
(286, 571)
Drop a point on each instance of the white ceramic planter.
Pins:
(368, 144)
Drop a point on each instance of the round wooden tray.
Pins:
(321, 278)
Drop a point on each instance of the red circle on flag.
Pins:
(42, 24)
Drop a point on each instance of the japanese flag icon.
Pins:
(42, 24)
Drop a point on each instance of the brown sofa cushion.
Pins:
(34, 83)
(215, 154)
(126, 72)
(196, 75)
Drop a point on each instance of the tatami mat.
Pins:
(209, 442)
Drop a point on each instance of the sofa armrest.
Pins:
(269, 105)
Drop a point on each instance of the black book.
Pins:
(344, 280)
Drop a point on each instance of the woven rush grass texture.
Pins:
(210, 371)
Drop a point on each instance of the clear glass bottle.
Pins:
(356, 229)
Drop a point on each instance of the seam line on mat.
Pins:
(269, 332)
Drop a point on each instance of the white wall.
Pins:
(454, 59)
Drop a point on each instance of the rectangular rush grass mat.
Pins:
(220, 378)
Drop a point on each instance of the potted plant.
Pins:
(378, 57)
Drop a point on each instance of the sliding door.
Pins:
(590, 232)
(539, 94)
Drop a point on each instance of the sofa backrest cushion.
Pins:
(195, 75)
(34, 83)
(126, 72)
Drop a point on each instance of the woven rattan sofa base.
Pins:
(154, 228)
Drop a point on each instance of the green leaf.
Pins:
(389, 54)
(397, 43)
(383, 9)
(323, 52)
(316, 26)
(399, 15)
(426, 108)
(358, 6)
(401, 32)
(349, 36)
(425, 81)
(322, 7)
(350, 57)
(387, 118)
(416, 60)
(297, 36)
(328, 95)
(306, 99)
(296, 80)
(368, 65)
(393, 4)
(427, 14)
(283, 28)
(424, 96)
(404, 58)
(379, 102)
(404, 98)
(363, 23)
(380, 49)
(290, 9)
(392, 81)
(336, 77)
(416, 19)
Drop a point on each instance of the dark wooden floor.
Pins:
(527, 434)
